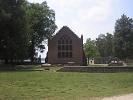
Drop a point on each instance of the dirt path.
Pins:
(123, 97)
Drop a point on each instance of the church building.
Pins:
(66, 48)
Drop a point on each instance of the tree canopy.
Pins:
(42, 25)
(104, 44)
(90, 48)
(23, 28)
(118, 45)
(13, 29)
(123, 37)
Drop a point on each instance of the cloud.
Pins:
(36, 1)
(87, 17)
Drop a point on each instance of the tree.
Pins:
(105, 45)
(109, 45)
(100, 42)
(42, 25)
(123, 37)
(23, 28)
(13, 30)
(90, 48)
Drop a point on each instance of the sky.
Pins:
(89, 17)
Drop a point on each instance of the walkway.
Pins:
(123, 97)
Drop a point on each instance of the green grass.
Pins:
(47, 85)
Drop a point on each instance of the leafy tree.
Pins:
(105, 45)
(123, 37)
(100, 42)
(42, 25)
(90, 48)
(13, 30)
(109, 45)
(23, 28)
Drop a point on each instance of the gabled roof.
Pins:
(66, 31)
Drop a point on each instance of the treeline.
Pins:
(119, 44)
(23, 28)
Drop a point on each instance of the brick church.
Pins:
(65, 48)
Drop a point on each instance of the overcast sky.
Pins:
(89, 17)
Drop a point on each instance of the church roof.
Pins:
(66, 31)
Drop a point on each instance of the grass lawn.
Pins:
(46, 85)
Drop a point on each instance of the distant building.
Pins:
(66, 48)
(91, 61)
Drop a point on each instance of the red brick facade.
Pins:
(65, 47)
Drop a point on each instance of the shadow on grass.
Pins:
(9, 67)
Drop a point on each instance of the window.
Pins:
(65, 47)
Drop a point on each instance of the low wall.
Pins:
(96, 69)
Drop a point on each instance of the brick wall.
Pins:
(77, 48)
(97, 69)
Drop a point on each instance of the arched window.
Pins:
(65, 47)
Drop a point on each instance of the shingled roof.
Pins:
(64, 30)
